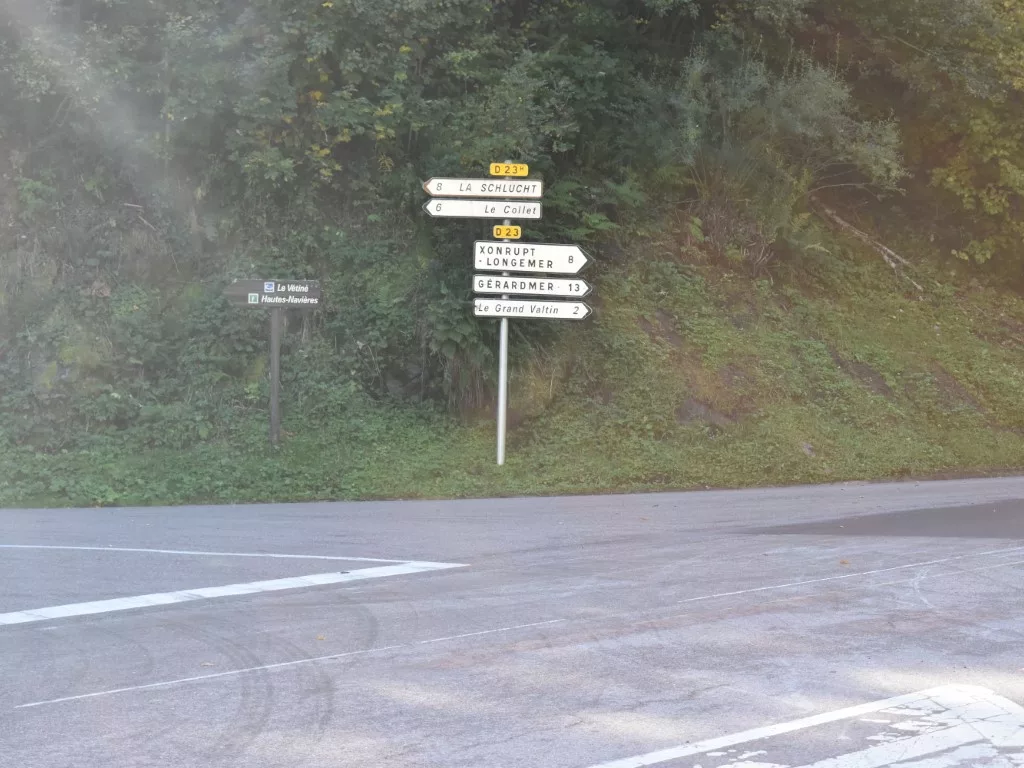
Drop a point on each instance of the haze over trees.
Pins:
(150, 152)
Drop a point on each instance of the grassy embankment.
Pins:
(688, 376)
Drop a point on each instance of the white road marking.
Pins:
(957, 715)
(811, 596)
(400, 567)
(490, 631)
(199, 678)
(204, 593)
(280, 665)
(824, 579)
(885, 755)
(199, 552)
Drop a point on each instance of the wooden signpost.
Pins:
(275, 295)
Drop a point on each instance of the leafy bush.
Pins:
(754, 144)
(951, 70)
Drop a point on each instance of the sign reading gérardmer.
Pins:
(531, 285)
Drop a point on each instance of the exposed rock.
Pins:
(694, 411)
(863, 373)
(663, 327)
(952, 392)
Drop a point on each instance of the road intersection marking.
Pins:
(954, 725)
(397, 568)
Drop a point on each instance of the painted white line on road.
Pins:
(490, 631)
(204, 593)
(885, 755)
(202, 553)
(813, 595)
(280, 665)
(824, 579)
(945, 574)
(198, 678)
(958, 715)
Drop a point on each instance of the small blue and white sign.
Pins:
(254, 298)
(268, 287)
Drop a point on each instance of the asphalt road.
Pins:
(713, 629)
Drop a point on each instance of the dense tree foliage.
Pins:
(953, 70)
(153, 151)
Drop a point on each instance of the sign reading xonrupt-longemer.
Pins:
(529, 257)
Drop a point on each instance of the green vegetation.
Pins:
(805, 217)
(690, 376)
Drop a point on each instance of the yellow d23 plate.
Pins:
(510, 169)
(507, 232)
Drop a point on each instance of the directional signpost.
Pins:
(532, 285)
(483, 209)
(528, 188)
(275, 295)
(544, 310)
(529, 257)
(456, 198)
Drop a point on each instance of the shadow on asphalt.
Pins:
(1000, 520)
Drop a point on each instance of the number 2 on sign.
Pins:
(502, 232)
(509, 169)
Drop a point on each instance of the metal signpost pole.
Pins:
(276, 316)
(503, 375)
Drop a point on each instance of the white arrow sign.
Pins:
(531, 285)
(546, 310)
(529, 257)
(483, 209)
(515, 188)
